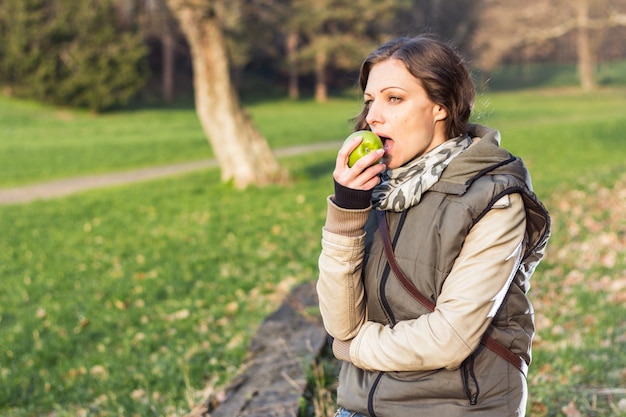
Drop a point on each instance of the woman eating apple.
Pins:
(426, 256)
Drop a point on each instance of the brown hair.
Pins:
(441, 71)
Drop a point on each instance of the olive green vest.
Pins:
(428, 243)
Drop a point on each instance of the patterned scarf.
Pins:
(402, 188)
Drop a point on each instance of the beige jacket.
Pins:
(470, 297)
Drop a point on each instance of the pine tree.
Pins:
(69, 53)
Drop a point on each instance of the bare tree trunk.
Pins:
(125, 12)
(291, 45)
(321, 90)
(586, 58)
(241, 151)
(167, 45)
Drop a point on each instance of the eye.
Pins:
(394, 99)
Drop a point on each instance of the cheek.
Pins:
(405, 123)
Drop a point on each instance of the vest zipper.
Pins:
(370, 397)
(470, 382)
(383, 298)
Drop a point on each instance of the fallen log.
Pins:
(273, 378)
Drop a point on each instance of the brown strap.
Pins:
(487, 340)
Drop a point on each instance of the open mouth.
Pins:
(387, 142)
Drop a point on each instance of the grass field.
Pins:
(41, 143)
(130, 301)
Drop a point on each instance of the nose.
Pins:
(374, 115)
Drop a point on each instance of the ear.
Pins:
(439, 112)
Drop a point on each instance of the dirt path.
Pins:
(63, 187)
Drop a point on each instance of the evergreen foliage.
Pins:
(69, 52)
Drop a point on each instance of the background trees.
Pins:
(71, 53)
(535, 28)
(99, 54)
(337, 34)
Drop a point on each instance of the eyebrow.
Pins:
(386, 88)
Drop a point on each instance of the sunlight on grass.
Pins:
(121, 290)
(564, 137)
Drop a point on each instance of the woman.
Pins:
(467, 232)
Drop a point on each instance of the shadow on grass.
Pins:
(549, 75)
(320, 170)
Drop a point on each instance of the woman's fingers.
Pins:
(364, 174)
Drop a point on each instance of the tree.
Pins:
(241, 151)
(274, 34)
(70, 53)
(322, 38)
(157, 26)
(454, 20)
(535, 21)
(339, 32)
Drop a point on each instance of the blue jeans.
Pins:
(342, 412)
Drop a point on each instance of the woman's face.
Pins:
(400, 112)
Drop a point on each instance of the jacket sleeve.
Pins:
(339, 286)
(470, 297)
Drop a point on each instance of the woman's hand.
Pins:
(364, 174)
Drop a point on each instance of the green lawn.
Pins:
(565, 137)
(131, 300)
(39, 143)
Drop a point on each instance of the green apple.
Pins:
(370, 142)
